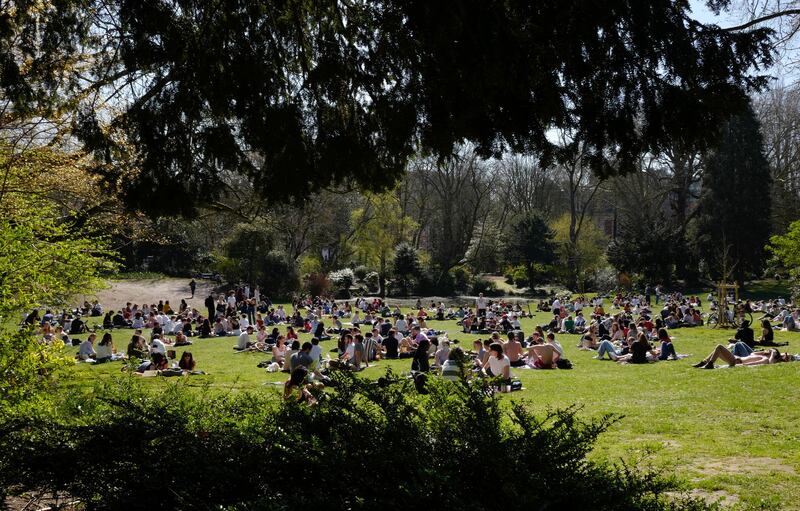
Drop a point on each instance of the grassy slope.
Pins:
(727, 432)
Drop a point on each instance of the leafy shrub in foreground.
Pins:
(365, 446)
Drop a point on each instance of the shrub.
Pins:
(342, 279)
(361, 271)
(185, 450)
(278, 276)
(487, 287)
(461, 278)
(371, 280)
(317, 284)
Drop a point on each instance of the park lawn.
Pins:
(729, 433)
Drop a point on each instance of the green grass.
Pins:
(731, 432)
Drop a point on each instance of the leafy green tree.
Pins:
(585, 257)
(734, 209)
(405, 266)
(529, 242)
(44, 260)
(378, 227)
(249, 256)
(314, 93)
(645, 246)
(786, 249)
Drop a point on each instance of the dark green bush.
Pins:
(367, 446)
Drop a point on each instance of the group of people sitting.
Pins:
(141, 356)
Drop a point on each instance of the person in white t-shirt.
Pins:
(556, 306)
(481, 304)
(498, 363)
(244, 339)
(401, 325)
(158, 346)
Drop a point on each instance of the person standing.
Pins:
(210, 304)
(193, 286)
(480, 305)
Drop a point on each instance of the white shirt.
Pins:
(104, 351)
(316, 353)
(556, 304)
(480, 303)
(244, 323)
(557, 346)
(158, 347)
(232, 301)
(497, 364)
(243, 340)
(401, 325)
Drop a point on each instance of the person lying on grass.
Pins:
(771, 356)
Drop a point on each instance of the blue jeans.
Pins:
(667, 350)
(606, 347)
(741, 349)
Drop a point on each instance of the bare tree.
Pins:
(457, 204)
(779, 113)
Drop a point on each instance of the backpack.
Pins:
(563, 363)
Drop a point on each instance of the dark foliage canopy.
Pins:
(296, 96)
(367, 446)
(733, 224)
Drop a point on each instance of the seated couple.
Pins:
(539, 356)
(639, 351)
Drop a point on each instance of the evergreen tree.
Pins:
(405, 266)
(733, 221)
(530, 242)
(295, 96)
(646, 246)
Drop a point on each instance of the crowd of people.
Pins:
(635, 329)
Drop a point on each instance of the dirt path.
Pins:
(151, 291)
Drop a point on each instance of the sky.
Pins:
(781, 71)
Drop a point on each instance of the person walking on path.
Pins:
(192, 286)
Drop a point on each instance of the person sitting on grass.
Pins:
(641, 352)
(545, 356)
(498, 365)
(745, 334)
(667, 350)
(302, 357)
(244, 340)
(296, 389)
(607, 347)
(454, 367)
(159, 346)
(513, 350)
(181, 339)
(187, 362)
(157, 362)
(768, 335)
(86, 349)
(137, 347)
(205, 329)
(771, 356)
(105, 348)
(279, 351)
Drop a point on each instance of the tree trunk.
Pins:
(382, 278)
